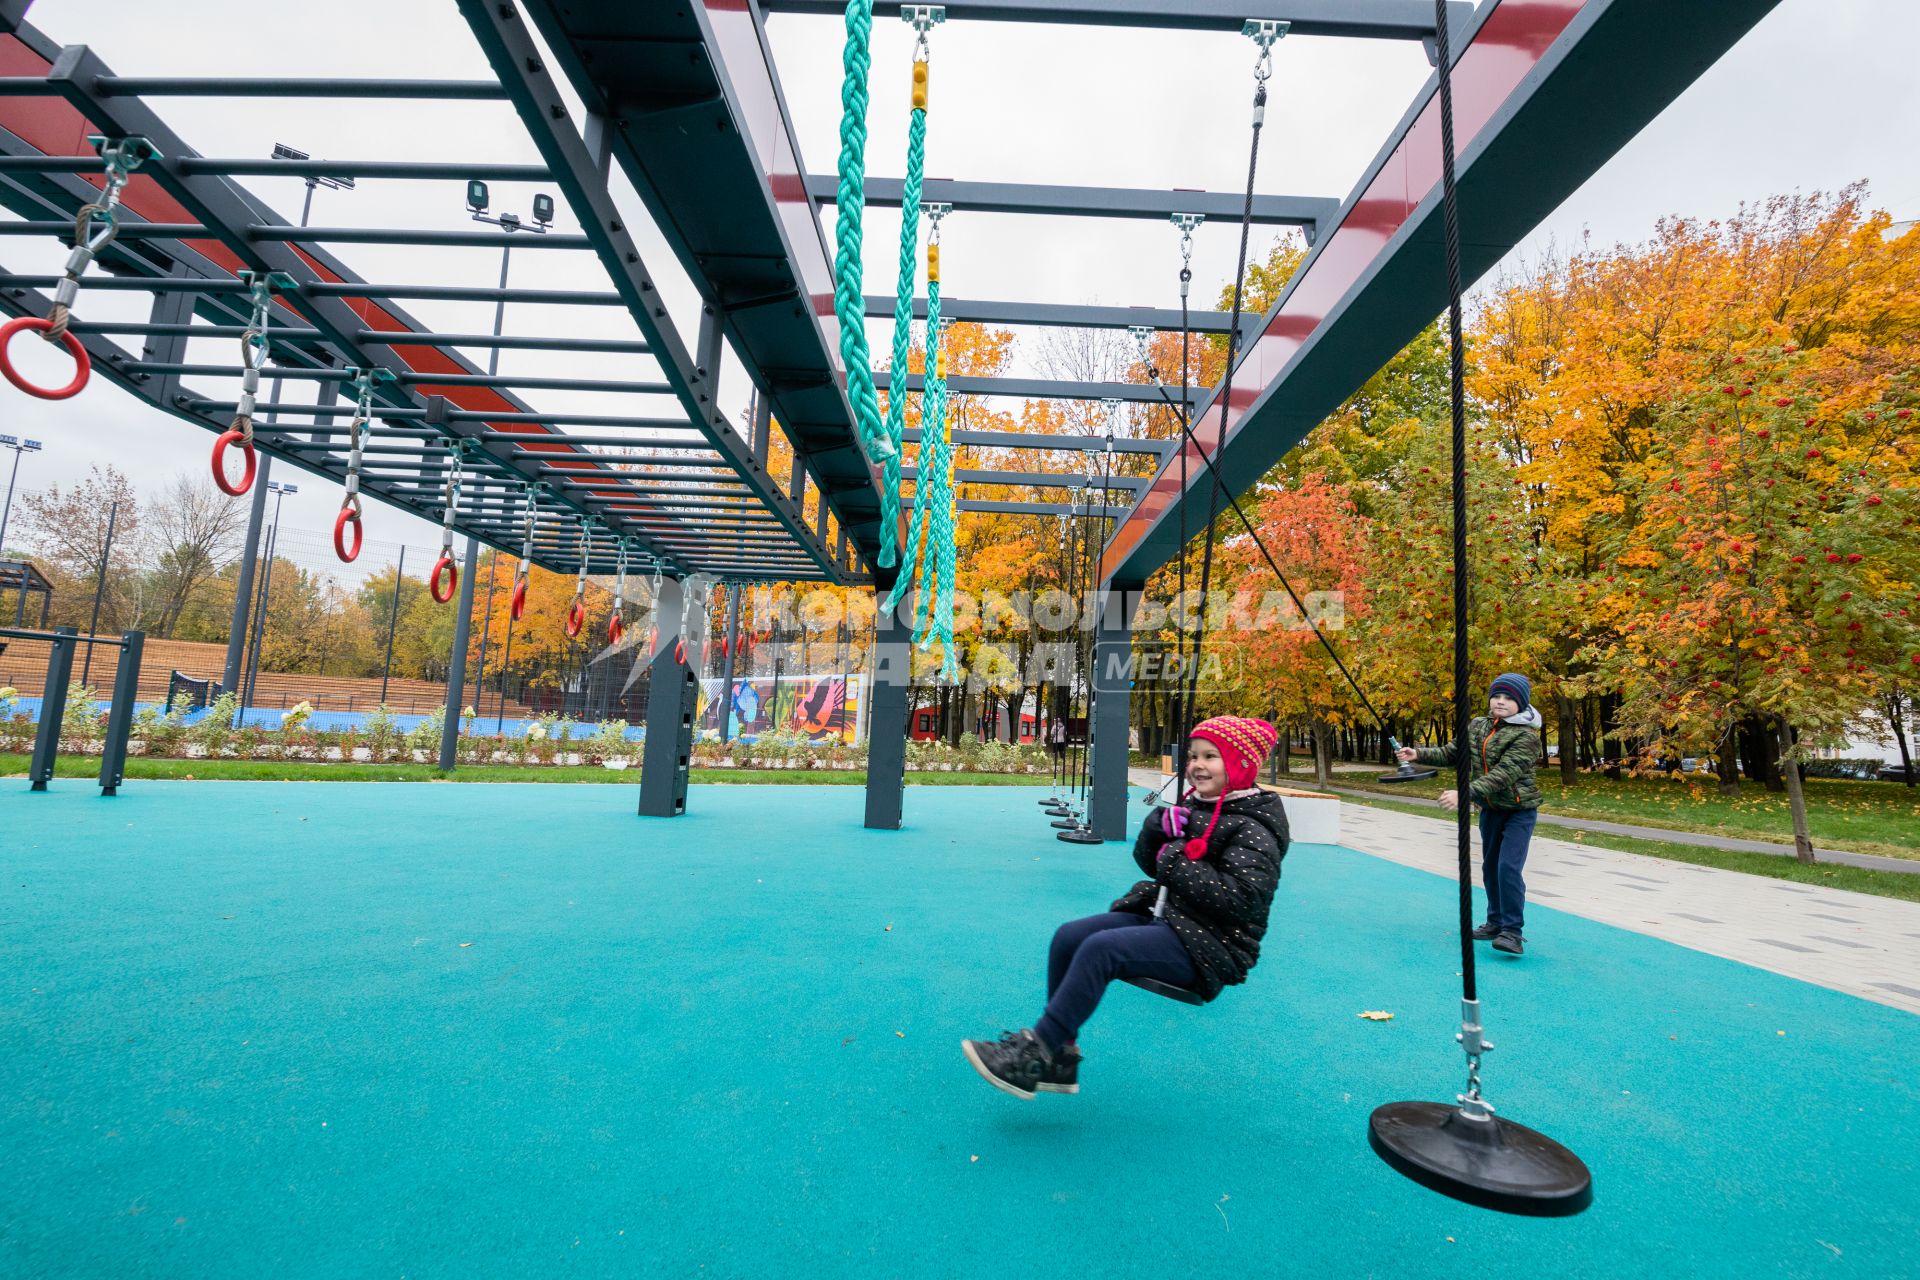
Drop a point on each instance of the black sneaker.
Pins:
(1062, 1075)
(1485, 930)
(1016, 1064)
(1510, 942)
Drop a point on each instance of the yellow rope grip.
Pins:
(933, 262)
(919, 86)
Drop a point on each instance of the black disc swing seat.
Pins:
(1184, 995)
(1407, 773)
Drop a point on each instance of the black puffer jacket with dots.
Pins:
(1217, 904)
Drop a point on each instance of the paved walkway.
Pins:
(1863, 945)
(1872, 862)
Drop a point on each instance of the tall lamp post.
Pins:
(279, 492)
(232, 671)
(19, 447)
(478, 198)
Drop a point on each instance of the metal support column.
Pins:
(1112, 694)
(167, 346)
(887, 720)
(668, 751)
(53, 708)
(126, 689)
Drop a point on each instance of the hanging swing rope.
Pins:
(849, 300)
(922, 18)
(254, 345)
(445, 569)
(577, 611)
(122, 157)
(364, 381)
(616, 625)
(522, 570)
(1265, 35)
(653, 615)
(931, 446)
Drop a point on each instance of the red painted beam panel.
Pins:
(1505, 49)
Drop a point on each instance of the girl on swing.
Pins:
(1214, 862)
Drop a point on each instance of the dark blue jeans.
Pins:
(1504, 837)
(1088, 954)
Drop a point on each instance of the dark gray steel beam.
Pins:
(288, 87)
(1039, 509)
(1033, 388)
(328, 289)
(1029, 440)
(250, 167)
(1356, 19)
(1036, 479)
(1087, 202)
(271, 233)
(381, 337)
(1062, 315)
(516, 56)
(411, 378)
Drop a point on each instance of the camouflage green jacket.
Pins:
(1504, 754)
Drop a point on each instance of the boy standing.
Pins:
(1505, 747)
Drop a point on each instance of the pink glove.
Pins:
(1173, 821)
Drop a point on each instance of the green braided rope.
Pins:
(902, 334)
(935, 480)
(922, 485)
(849, 302)
(944, 552)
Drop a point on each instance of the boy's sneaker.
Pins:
(1063, 1074)
(1485, 930)
(1509, 942)
(1016, 1064)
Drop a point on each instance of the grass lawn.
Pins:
(1866, 817)
(1885, 884)
(309, 771)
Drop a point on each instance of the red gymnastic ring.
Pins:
(576, 617)
(82, 364)
(519, 599)
(220, 463)
(616, 630)
(347, 516)
(680, 652)
(444, 565)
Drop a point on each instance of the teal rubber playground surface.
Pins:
(336, 1029)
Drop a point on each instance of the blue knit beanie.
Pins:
(1515, 686)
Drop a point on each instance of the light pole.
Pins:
(233, 672)
(279, 492)
(477, 201)
(19, 447)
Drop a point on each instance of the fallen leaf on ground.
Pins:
(903, 1035)
(1377, 1015)
(973, 1159)
(466, 944)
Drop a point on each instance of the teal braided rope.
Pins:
(902, 334)
(849, 301)
(944, 549)
(929, 443)
(934, 479)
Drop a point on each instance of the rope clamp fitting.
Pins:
(1266, 33)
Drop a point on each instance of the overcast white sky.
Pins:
(1818, 95)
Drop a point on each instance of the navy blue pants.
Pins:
(1504, 837)
(1088, 954)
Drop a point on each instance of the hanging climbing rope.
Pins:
(616, 626)
(522, 570)
(922, 18)
(253, 353)
(653, 615)
(849, 297)
(122, 157)
(446, 574)
(930, 554)
(364, 381)
(577, 611)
